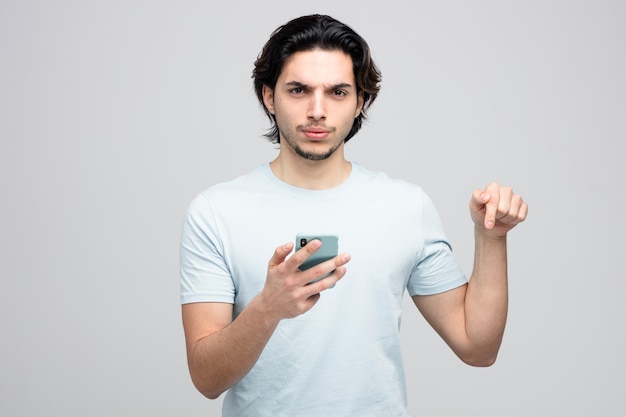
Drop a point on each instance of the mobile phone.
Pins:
(329, 249)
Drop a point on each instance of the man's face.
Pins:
(315, 102)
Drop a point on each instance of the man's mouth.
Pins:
(316, 133)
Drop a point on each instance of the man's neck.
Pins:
(312, 175)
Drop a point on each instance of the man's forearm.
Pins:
(486, 302)
(218, 361)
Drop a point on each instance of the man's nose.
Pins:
(317, 106)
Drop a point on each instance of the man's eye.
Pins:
(339, 93)
(297, 90)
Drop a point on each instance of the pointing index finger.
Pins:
(491, 207)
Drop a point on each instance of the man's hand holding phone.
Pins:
(290, 291)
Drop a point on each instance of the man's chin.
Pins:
(314, 156)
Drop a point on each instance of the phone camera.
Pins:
(303, 242)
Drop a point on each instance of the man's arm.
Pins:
(471, 318)
(221, 351)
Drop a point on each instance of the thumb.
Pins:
(483, 208)
(280, 254)
(478, 201)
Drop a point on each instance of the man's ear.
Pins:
(268, 98)
(359, 105)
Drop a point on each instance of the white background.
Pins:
(115, 114)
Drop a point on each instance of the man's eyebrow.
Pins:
(298, 84)
(340, 86)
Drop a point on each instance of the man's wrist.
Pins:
(489, 236)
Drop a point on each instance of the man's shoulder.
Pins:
(251, 180)
(386, 181)
(231, 190)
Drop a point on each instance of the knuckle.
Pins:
(319, 271)
(290, 281)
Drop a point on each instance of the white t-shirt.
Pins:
(342, 358)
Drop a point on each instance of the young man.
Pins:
(255, 325)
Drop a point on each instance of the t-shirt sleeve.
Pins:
(436, 269)
(204, 274)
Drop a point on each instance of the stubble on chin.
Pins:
(313, 156)
(308, 154)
